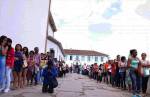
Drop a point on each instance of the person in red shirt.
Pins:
(95, 70)
(113, 72)
(9, 65)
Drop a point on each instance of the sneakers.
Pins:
(6, 90)
(2, 89)
(138, 96)
(134, 96)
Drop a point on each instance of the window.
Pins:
(89, 58)
(96, 58)
(102, 59)
(65, 57)
(70, 57)
(83, 58)
(77, 57)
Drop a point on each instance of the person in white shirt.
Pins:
(145, 72)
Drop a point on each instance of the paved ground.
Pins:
(73, 85)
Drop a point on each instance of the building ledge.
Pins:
(56, 42)
(52, 23)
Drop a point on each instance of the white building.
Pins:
(82, 57)
(30, 23)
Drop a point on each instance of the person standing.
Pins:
(122, 72)
(3, 53)
(113, 73)
(18, 67)
(117, 76)
(135, 72)
(31, 67)
(37, 58)
(24, 73)
(9, 65)
(145, 73)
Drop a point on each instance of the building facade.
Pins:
(81, 57)
(30, 23)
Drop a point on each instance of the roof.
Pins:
(56, 42)
(83, 52)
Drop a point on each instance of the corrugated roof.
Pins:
(83, 52)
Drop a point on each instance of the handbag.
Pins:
(54, 82)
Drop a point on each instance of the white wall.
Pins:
(55, 47)
(24, 21)
(92, 60)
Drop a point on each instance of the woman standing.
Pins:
(3, 53)
(9, 65)
(146, 73)
(135, 67)
(18, 66)
(24, 72)
(122, 72)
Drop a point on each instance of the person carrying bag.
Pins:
(49, 74)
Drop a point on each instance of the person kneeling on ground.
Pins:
(49, 75)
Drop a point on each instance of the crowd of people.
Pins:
(130, 74)
(20, 67)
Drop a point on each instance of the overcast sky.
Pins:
(108, 26)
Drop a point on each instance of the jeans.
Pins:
(47, 88)
(117, 79)
(2, 70)
(144, 83)
(136, 82)
(122, 79)
(7, 80)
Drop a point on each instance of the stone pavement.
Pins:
(73, 85)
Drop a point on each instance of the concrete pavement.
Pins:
(73, 85)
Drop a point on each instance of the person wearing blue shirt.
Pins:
(49, 74)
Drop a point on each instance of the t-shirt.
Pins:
(122, 66)
(106, 66)
(145, 70)
(134, 63)
(10, 58)
(113, 70)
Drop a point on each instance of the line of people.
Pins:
(20, 67)
(130, 74)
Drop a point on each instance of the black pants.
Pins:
(122, 79)
(95, 75)
(113, 80)
(117, 79)
(144, 84)
(47, 88)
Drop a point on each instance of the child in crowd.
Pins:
(31, 68)
(99, 79)
(128, 80)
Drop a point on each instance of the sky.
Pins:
(108, 26)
